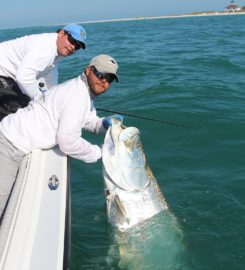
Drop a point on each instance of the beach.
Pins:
(194, 14)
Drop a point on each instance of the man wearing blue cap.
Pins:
(28, 64)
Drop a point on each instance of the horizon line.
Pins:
(193, 14)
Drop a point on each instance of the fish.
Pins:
(132, 193)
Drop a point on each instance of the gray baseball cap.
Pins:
(106, 64)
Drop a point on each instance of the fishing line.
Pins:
(147, 118)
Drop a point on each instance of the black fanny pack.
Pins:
(8, 87)
(11, 97)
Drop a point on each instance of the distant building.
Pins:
(232, 7)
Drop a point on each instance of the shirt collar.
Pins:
(85, 80)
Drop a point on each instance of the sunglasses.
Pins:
(100, 75)
(77, 44)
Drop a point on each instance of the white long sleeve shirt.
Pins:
(57, 117)
(30, 58)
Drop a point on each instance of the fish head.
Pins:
(124, 159)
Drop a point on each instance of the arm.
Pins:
(34, 63)
(94, 123)
(71, 122)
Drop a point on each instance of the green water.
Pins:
(190, 71)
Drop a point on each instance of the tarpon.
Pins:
(131, 190)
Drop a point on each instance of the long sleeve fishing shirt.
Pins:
(57, 117)
(30, 58)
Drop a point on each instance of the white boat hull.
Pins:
(33, 233)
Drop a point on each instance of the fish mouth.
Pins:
(123, 158)
(128, 134)
(123, 134)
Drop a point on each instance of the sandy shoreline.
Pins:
(199, 14)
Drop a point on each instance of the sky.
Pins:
(25, 13)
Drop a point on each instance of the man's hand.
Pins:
(107, 120)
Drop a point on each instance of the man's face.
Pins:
(97, 86)
(64, 46)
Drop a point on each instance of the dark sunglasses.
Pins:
(100, 75)
(77, 44)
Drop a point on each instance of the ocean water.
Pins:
(182, 70)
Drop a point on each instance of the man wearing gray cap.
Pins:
(28, 64)
(57, 117)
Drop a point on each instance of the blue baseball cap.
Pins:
(77, 32)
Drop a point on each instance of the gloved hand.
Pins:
(107, 120)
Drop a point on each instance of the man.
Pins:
(57, 117)
(29, 64)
